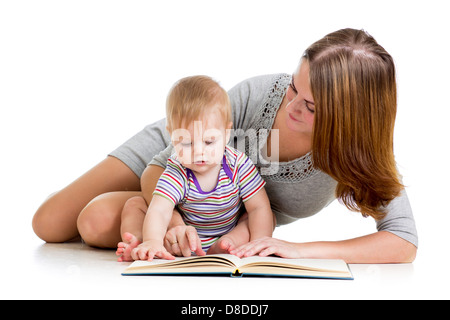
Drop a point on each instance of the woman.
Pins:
(329, 131)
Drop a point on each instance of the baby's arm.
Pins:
(155, 226)
(260, 216)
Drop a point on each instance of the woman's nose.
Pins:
(293, 106)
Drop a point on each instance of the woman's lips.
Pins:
(290, 116)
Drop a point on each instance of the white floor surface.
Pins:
(37, 270)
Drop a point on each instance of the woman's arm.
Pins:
(379, 247)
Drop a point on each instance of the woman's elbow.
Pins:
(409, 253)
(406, 252)
(397, 249)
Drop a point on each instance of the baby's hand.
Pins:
(150, 249)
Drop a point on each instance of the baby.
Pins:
(208, 182)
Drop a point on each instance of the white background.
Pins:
(77, 78)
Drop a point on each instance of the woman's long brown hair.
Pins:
(353, 83)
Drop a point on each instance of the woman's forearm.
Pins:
(379, 247)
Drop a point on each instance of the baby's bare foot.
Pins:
(125, 247)
(224, 245)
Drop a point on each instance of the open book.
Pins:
(226, 264)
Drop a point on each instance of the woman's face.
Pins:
(300, 104)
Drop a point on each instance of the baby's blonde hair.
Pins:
(190, 97)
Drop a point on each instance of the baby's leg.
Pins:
(233, 239)
(133, 215)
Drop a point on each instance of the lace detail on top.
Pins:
(296, 170)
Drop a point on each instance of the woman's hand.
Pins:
(267, 246)
(181, 240)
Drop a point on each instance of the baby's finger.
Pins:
(134, 254)
(143, 254)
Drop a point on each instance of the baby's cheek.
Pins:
(215, 155)
(184, 157)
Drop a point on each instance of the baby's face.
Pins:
(201, 145)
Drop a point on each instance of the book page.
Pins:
(312, 264)
(317, 264)
(222, 261)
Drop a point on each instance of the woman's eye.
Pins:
(292, 87)
(308, 107)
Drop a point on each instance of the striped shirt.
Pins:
(216, 212)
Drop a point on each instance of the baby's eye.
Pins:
(209, 142)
